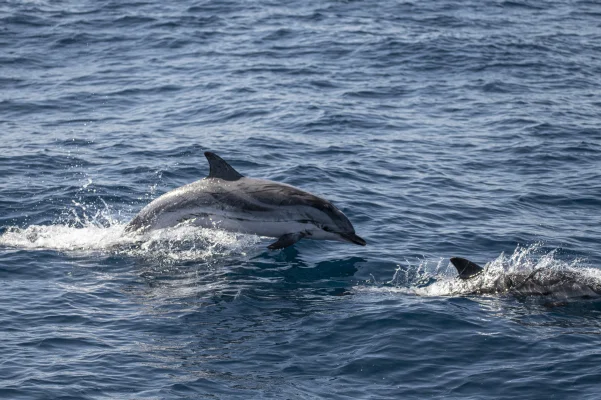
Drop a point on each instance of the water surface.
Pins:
(450, 129)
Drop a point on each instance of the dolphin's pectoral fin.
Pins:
(287, 240)
(465, 268)
(221, 169)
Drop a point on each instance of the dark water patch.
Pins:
(26, 19)
(560, 201)
(62, 343)
(75, 39)
(522, 4)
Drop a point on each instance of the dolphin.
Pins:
(227, 200)
(538, 282)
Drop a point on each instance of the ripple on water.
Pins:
(440, 128)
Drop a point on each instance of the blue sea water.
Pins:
(439, 128)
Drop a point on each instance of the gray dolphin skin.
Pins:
(539, 282)
(227, 200)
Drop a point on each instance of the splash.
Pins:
(92, 229)
(64, 237)
(527, 271)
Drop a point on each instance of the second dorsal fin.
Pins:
(221, 169)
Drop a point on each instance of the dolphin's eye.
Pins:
(325, 228)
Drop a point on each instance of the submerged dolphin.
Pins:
(538, 282)
(227, 200)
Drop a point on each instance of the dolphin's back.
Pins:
(538, 282)
(274, 194)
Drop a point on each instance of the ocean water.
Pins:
(439, 128)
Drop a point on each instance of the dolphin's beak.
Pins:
(351, 237)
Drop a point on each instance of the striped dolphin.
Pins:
(538, 282)
(227, 200)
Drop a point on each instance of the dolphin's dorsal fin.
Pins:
(221, 169)
(465, 268)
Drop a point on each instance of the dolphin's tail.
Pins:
(465, 268)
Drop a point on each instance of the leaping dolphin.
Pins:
(538, 282)
(227, 200)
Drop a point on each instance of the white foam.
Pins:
(64, 237)
(99, 229)
(177, 244)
